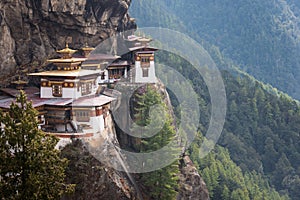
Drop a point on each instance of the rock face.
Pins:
(92, 167)
(191, 184)
(93, 179)
(31, 30)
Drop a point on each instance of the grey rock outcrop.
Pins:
(31, 30)
(93, 179)
(192, 186)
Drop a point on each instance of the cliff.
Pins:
(31, 30)
(190, 183)
(90, 168)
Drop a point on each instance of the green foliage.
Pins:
(30, 166)
(162, 183)
(260, 37)
(261, 125)
(225, 180)
(262, 134)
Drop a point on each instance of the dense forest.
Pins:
(258, 154)
(261, 132)
(262, 38)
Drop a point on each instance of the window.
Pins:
(116, 73)
(83, 116)
(145, 62)
(86, 88)
(145, 72)
(57, 90)
(102, 76)
(145, 59)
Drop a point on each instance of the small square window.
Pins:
(57, 90)
(83, 116)
(86, 88)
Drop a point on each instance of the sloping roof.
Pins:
(6, 101)
(67, 60)
(92, 101)
(132, 38)
(119, 63)
(30, 91)
(71, 73)
(33, 96)
(100, 56)
(143, 47)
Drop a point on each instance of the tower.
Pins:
(68, 80)
(144, 64)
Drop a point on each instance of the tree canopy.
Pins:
(30, 166)
(161, 183)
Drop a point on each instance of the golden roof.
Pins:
(19, 81)
(66, 60)
(66, 50)
(144, 39)
(87, 48)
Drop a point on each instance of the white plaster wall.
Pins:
(46, 92)
(106, 78)
(96, 123)
(95, 88)
(106, 75)
(70, 93)
(139, 73)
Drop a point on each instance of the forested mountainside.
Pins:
(262, 38)
(261, 133)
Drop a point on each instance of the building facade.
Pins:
(69, 98)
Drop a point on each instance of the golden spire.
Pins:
(19, 83)
(66, 52)
(87, 50)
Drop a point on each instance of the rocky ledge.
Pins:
(192, 186)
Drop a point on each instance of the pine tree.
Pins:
(30, 166)
(162, 183)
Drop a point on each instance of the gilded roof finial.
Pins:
(19, 83)
(66, 52)
(87, 50)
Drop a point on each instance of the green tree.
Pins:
(30, 166)
(162, 183)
